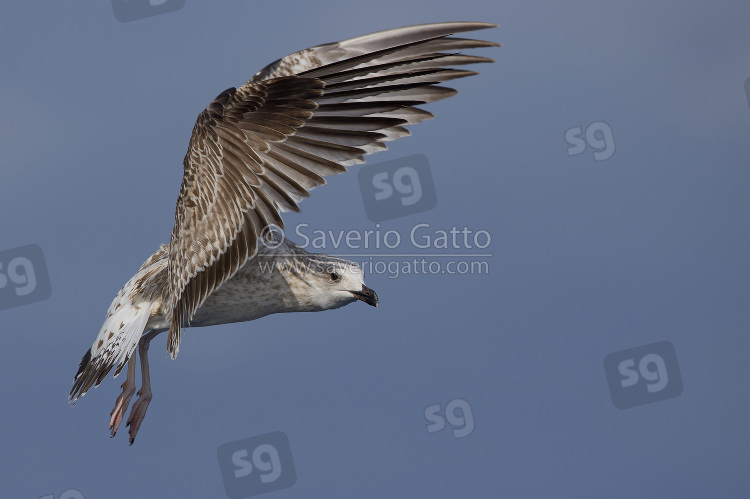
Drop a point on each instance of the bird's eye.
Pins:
(334, 276)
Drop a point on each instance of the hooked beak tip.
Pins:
(366, 295)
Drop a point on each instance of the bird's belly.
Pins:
(245, 298)
(228, 307)
(219, 311)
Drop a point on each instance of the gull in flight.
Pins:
(255, 152)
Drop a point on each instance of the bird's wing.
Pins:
(386, 46)
(258, 149)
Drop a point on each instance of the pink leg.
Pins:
(128, 389)
(138, 412)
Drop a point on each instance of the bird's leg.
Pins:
(138, 412)
(128, 389)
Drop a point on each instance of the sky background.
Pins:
(588, 258)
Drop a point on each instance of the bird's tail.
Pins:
(125, 323)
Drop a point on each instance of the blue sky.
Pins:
(588, 257)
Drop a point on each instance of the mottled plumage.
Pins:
(255, 152)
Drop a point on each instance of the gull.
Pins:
(257, 151)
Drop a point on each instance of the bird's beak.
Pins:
(366, 295)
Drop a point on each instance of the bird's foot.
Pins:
(137, 413)
(121, 406)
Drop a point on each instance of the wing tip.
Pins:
(463, 25)
(84, 362)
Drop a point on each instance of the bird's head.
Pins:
(330, 282)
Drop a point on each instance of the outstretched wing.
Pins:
(259, 149)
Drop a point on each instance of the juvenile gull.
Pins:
(256, 151)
